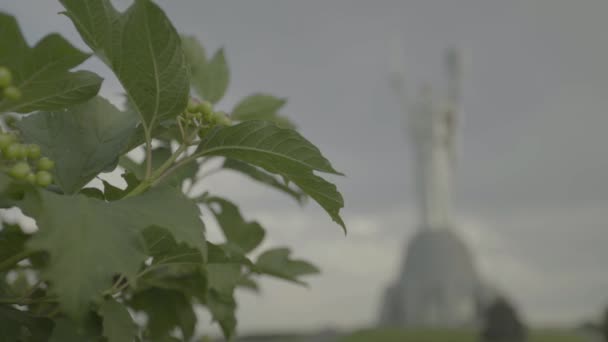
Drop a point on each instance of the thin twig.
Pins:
(148, 151)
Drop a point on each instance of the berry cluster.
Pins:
(9, 91)
(25, 161)
(203, 115)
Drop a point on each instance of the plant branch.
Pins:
(166, 168)
(119, 285)
(152, 179)
(185, 161)
(181, 128)
(10, 262)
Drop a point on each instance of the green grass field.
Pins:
(396, 335)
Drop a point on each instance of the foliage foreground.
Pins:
(102, 255)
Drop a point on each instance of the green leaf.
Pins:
(67, 330)
(143, 49)
(93, 192)
(42, 73)
(16, 325)
(263, 177)
(238, 232)
(209, 77)
(256, 105)
(218, 254)
(165, 131)
(12, 240)
(89, 240)
(83, 140)
(224, 277)
(323, 192)
(196, 57)
(278, 150)
(152, 208)
(10, 191)
(113, 193)
(118, 326)
(276, 262)
(248, 283)
(222, 307)
(161, 245)
(174, 266)
(261, 107)
(166, 309)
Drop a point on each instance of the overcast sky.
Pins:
(532, 178)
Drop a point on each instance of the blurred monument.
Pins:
(438, 284)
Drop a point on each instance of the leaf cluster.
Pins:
(103, 254)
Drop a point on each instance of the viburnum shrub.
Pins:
(103, 254)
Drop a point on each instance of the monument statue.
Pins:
(438, 284)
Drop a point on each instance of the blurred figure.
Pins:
(502, 323)
(604, 326)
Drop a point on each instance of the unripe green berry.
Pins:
(207, 117)
(206, 108)
(45, 164)
(203, 131)
(20, 170)
(12, 151)
(33, 151)
(6, 139)
(221, 118)
(12, 93)
(44, 178)
(22, 151)
(5, 77)
(225, 121)
(31, 178)
(192, 106)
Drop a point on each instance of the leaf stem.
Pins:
(170, 165)
(148, 138)
(157, 174)
(119, 282)
(119, 285)
(10, 262)
(27, 301)
(178, 165)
